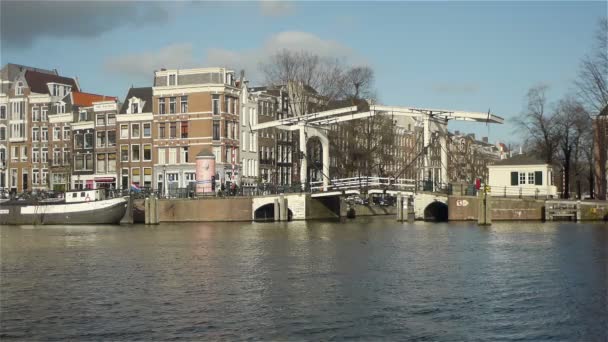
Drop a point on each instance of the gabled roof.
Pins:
(144, 93)
(86, 99)
(520, 159)
(37, 81)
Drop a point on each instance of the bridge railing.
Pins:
(365, 182)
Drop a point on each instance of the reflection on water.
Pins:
(365, 279)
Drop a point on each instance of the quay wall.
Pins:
(466, 208)
(205, 210)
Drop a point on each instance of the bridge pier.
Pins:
(276, 210)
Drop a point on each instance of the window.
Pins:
(134, 107)
(14, 178)
(66, 133)
(226, 130)
(161, 106)
(88, 140)
(173, 156)
(111, 119)
(88, 162)
(124, 153)
(45, 154)
(44, 177)
(522, 178)
(216, 130)
(44, 114)
(184, 104)
(2, 112)
(147, 177)
(35, 176)
(173, 130)
(538, 177)
(215, 104)
(56, 133)
(147, 152)
(24, 153)
(111, 162)
(172, 79)
(35, 114)
(2, 133)
(135, 153)
(125, 178)
(35, 155)
(530, 177)
(111, 138)
(101, 163)
(78, 141)
(184, 129)
(56, 156)
(35, 134)
(66, 156)
(44, 134)
(101, 139)
(59, 108)
(226, 104)
(124, 131)
(101, 119)
(135, 130)
(228, 154)
(19, 88)
(217, 152)
(147, 130)
(190, 177)
(161, 130)
(172, 105)
(161, 156)
(184, 156)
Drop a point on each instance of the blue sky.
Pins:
(450, 55)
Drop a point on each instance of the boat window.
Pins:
(74, 195)
(82, 194)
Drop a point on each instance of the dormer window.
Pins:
(172, 79)
(134, 108)
(60, 107)
(19, 88)
(135, 105)
(82, 116)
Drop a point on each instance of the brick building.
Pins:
(195, 110)
(134, 124)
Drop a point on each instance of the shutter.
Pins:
(538, 178)
(514, 178)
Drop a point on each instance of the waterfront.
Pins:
(366, 279)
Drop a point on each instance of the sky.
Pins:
(471, 56)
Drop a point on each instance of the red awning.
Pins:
(105, 179)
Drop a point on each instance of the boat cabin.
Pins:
(85, 195)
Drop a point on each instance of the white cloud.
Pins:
(142, 64)
(276, 8)
(250, 60)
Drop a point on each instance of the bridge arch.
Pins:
(265, 213)
(436, 211)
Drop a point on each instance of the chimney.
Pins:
(484, 139)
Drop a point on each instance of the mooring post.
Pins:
(276, 210)
(399, 208)
(485, 208)
(411, 214)
(147, 211)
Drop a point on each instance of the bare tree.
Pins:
(538, 124)
(571, 123)
(592, 81)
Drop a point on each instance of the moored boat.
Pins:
(77, 207)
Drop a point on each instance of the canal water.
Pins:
(367, 279)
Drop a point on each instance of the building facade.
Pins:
(195, 110)
(135, 145)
